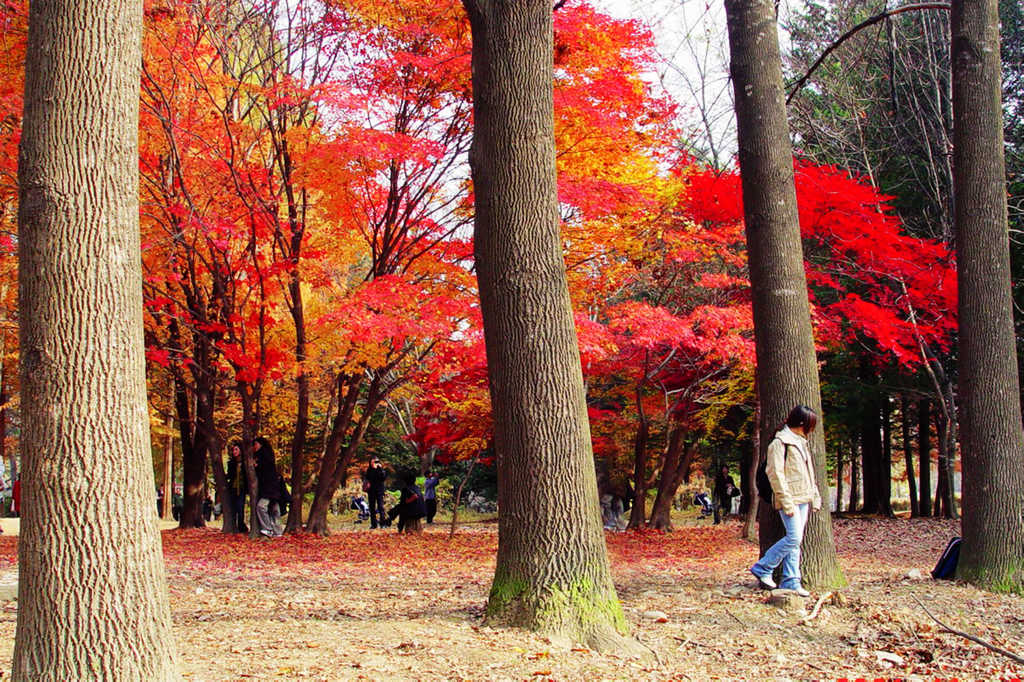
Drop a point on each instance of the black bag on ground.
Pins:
(946, 568)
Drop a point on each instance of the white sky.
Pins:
(691, 37)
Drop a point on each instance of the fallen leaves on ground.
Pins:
(378, 605)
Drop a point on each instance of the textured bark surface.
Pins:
(552, 569)
(992, 443)
(787, 371)
(92, 599)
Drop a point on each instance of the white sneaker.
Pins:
(764, 582)
(802, 592)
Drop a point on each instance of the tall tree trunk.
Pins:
(338, 455)
(671, 478)
(638, 514)
(855, 477)
(168, 482)
(908, 455)
(876, 471)
(924, 455)
(547, 487)
(941, 490)
(944, 494)
(871, 447)
(3, 409)
(839, 479)
(885, 470)
(991, 437)
(755, 508)
(193, 463)
(92, 596)
(294, 523)
(746, 458)
(787, 371)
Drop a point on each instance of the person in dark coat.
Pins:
(269, 489)
(238, 487)
(411, 505)
(724, 492)
(374, 479)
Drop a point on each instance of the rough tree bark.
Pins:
(92, 598)
(787, 371)
(552, 570)
(991, 437)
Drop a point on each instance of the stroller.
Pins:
(359, 504)
(706, 509)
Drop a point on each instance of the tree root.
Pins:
(990, 647)
(605, 639)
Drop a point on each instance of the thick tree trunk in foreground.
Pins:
(92, 598)
(787, 371)
(552, 569)
(991, 438)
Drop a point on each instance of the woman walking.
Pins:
(794, 493)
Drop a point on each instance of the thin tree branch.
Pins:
(849, 34)
(990, 647)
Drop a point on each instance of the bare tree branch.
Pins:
(853, 31)
(990, 647)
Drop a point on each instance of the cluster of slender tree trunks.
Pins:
(865, 466)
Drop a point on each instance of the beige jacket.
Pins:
(791, 472)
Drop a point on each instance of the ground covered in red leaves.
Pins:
(376, 605)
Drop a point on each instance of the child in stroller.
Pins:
(359, 504)
(706, 509)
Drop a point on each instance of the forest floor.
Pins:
(380, 606)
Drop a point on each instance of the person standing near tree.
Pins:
(411, 507)
(790, 469)
(430, 494)
(268, 486)
(374, 478)
(237, 487)
(725, 490)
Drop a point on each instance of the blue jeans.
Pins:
(786, 551)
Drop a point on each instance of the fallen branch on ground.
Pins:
(990, 647)
(817, 607)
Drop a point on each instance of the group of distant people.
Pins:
(413, 504)
(272, 494)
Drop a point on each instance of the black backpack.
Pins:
(946, 568)
(764, 484)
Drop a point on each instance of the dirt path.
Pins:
(372, 606)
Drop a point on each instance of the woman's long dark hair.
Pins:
(802, 416)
